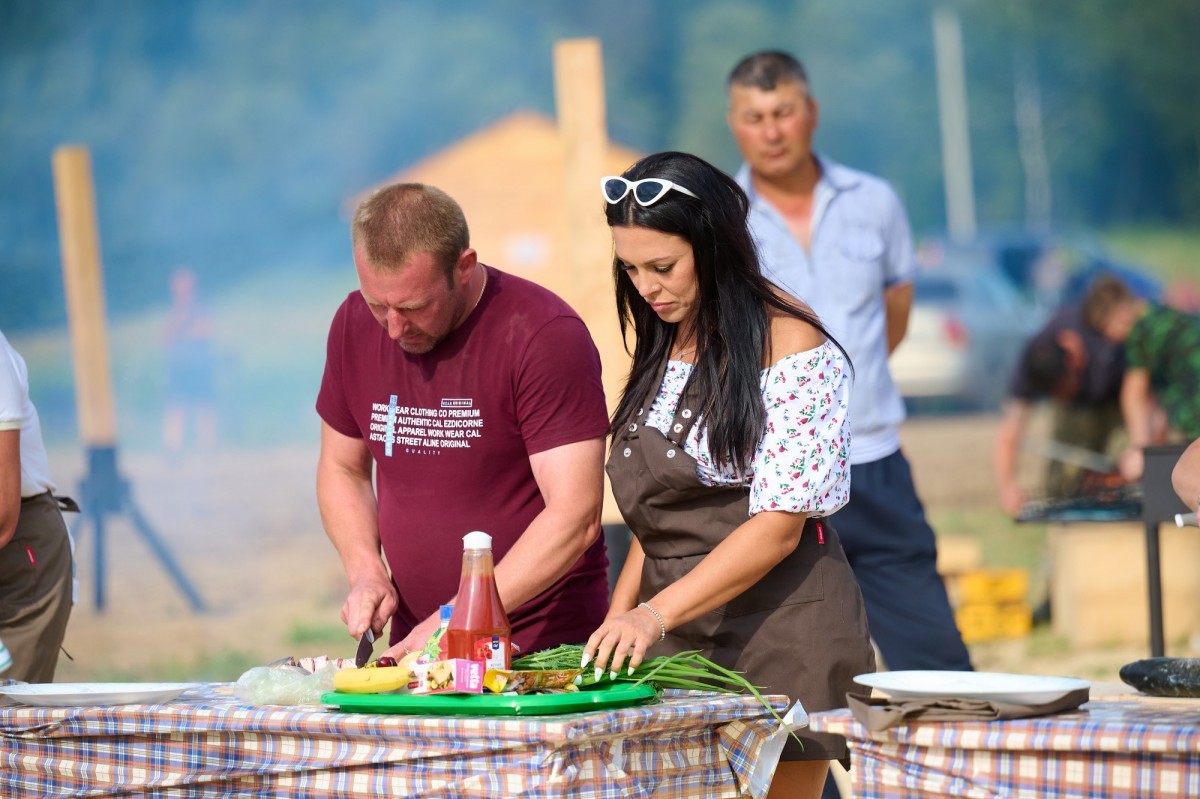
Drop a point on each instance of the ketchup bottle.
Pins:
(479, 628)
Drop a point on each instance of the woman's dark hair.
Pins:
(732, 332)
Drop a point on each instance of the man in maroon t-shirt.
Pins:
(476, 397)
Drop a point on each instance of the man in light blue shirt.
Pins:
(839, 240)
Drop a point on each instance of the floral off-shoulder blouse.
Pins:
(802, 463)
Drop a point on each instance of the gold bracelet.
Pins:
(662, 627)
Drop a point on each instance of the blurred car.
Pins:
(966, 330)
(1047, 269)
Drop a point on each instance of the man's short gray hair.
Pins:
(767, 69)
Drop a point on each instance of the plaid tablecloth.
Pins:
(206, 743)
(1109, 748)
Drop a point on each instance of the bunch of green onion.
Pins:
(688, 670)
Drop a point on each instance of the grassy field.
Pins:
(1171, 254)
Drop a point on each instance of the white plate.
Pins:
(1020, 689)
(71, 694)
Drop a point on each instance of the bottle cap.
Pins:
(477, 540)
(445, 612)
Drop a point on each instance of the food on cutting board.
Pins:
(372, 680)
(315, 663)
(454, 676)
(1164, 676)
(512, 681)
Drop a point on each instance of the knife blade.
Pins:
(1070, 454)
(365, 647)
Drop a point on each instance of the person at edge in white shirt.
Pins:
(36, 563)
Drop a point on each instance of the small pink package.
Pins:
(455, 676)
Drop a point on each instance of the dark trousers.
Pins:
(35, 590)
(893, 553)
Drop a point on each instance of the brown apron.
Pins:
(800, 631)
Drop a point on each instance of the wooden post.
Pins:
(952, 113)
(579, 95)
(84, 282)
(103, 491)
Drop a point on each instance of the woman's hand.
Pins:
(621, 642)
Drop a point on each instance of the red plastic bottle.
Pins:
(479, 628)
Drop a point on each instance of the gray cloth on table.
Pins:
(882, 713)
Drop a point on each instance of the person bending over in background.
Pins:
(730, 443)
(839, 240)
(35, 547)
(1162, 376)
(1079, 371)
(476, 398)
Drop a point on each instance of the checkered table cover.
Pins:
(1105, 749)
(206, 743)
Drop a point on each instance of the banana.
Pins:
(374, 680)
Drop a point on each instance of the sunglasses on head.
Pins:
(646, 191)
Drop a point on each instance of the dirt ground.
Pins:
(244, 529)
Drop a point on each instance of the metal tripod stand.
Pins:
(104, 493)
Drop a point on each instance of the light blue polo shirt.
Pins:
(861, 245)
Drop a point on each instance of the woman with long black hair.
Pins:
(729, 445)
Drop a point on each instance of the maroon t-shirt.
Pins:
(451, 432)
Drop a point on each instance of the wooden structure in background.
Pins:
(83, 280)
(579, 95)
(1099, 593)
(103, 491)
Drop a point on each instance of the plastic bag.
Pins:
(284, 685)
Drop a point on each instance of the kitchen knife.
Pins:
(1070, 454)
(365, 646)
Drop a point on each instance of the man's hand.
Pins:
(10, 484)
(415, 640)
(371, 603)
(1004, 456)
(897, 304)
(1132, 463)
(1011, 499)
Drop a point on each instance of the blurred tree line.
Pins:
(227, 134)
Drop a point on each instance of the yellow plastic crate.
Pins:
(982, 621)
(992, 586)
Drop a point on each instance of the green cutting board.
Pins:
(615, 696)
